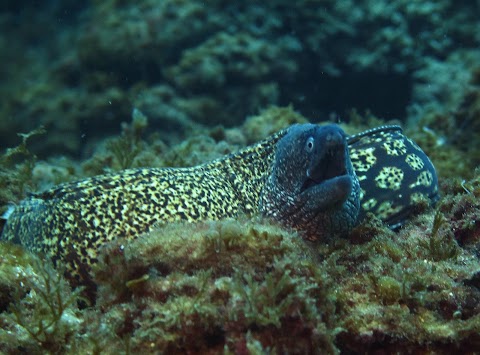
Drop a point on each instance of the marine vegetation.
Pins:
(39, 310)
(16, 169)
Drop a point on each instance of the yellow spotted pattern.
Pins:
(394, 147)
(390, 177)
(71, 222)
(414, 161)
(425, 178)
(386, 208)
(362, 161)
(394, 174)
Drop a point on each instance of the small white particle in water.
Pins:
(8, 212)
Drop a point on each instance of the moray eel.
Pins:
(311, 178)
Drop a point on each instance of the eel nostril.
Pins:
(334, 139)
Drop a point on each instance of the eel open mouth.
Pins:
(330, 162)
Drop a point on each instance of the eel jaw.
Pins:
(329, 167)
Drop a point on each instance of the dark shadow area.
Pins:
(318, 96)
(63, 9)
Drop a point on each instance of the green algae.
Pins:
(225, 280)
(39, 312)
(16, 170)
(441, 246)
(403, 304)
(127, 146)
(415, 290)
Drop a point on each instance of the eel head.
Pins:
(312, 186)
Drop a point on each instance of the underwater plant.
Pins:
(127, 146)
(42, 313)
(440, 245)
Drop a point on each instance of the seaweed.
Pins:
(22, 147)
(127, 146)
(440, 246)
(267, 302)
(16, 167)
(46, 312)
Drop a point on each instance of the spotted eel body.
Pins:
(305, 177)
(395, 174)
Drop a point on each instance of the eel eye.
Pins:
(309, 145)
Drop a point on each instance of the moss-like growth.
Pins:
(15, 265)
(128, 145)
(386, 297)
(388, 289)
(42, 312)
(441, 246)
(461, 208)
(271, 120)
(226, 285)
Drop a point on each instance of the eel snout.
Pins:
(330, 164)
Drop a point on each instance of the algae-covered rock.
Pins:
(405, 292)
(207, 287)
(214, 286)
(269, 121)
(443, 119)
